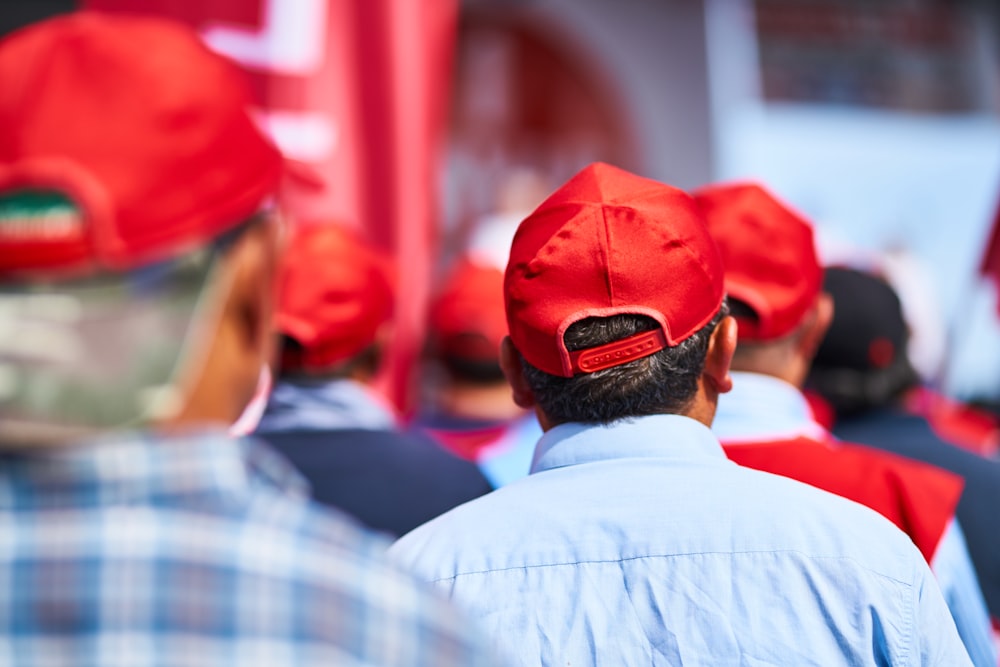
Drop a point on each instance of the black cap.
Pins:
(868, 331)
(862, 362)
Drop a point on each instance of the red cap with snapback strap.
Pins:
(335, 292)
(128, 161)
(769, 255)
(607, 243)
(140, 126)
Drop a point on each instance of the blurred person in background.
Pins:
(335, 304)
(138, 249)
(964, 425)
(773, 282)
(467, 404)
(468, 407)
(862, 370)
(634, 540)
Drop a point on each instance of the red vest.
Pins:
(917, 497)
(960, 424)
(468, 443)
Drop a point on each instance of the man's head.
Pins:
(862, 362)
(136, 248)
(466, 327)
(467, 323)
(613, 295)
(335, 301)
(773, 278)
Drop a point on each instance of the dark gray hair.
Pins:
(662, 383)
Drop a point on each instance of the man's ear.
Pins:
(246, 337)
(721, 347)
(816, 327)
(254, 262)
(510, 364)
(240, 340)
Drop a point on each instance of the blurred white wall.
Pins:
(656, 53)
(874, 180)
(686, 78)
(653, 56)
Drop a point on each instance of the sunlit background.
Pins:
(879, 120)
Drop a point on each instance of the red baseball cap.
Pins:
(769, 255)
(128, 161)
(467, 318)
(143, 134)
(608, 243)
(334, 293)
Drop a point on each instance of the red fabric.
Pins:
(147, 131)
(468, 444)
(609, 242)
(957, 423)
(822, 412)
(920, 499)
(357, 92)
(407, 49)
(335, 292)
(769, 255)
(305, 86)
(990, 265)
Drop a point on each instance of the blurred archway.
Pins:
(529, 109)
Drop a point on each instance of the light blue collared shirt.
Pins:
(761, 408)
(509, 458)
(639, 543)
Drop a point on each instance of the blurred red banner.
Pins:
(990, 266)
(357, 91)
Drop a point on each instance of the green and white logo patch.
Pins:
(39, 216)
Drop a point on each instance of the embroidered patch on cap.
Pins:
(39, 216)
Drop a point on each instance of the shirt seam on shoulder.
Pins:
(909, 584)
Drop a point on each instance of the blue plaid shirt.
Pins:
(199, 551)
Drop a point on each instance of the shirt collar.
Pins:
(762, 407)
(303, 405)
(656, 436)
(136, 468)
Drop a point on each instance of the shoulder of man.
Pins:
(341, 567)
(919, 498)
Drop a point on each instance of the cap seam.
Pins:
(609, 282)
(617, 201)
(708, 280)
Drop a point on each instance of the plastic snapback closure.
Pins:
(617, 353)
